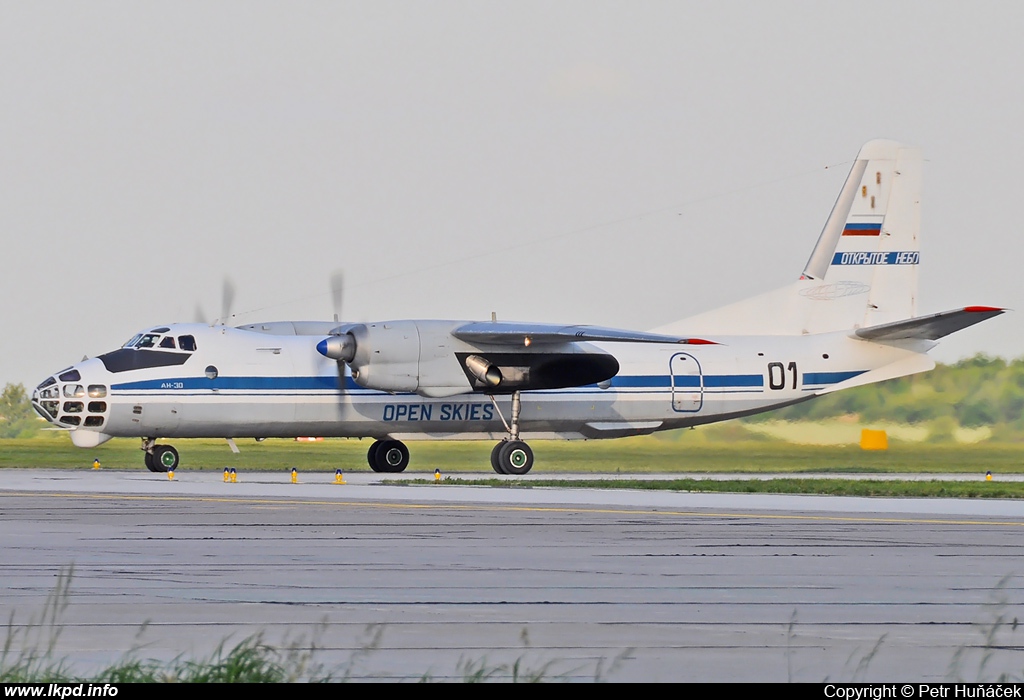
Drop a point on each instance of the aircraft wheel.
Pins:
(392, 457)
(495, 463)
(371, 455)
(515, 457)
(164, 459)
(150, 465)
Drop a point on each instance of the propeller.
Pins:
(337, 287)
(227, 299)
(340, 348)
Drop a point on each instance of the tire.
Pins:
(164, 459)
(515, 457)
(495, 464)
(371, 455)
(150, 465)
(392, 457)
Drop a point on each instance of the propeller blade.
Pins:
(227, 299)
(200, 317)
(337, 287)
(341, 375)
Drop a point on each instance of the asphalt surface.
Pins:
(402, 582)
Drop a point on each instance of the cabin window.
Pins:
(187, 342)
(97, 391)
(93, 421)
(74, 391)
(97, 406)
(70, 420)
(167, 342)
(73, 407)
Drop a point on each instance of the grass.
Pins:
(680, 452)
(29, 655)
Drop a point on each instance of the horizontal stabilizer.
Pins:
(506, 333)
(930, 327)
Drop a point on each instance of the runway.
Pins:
(675, 587)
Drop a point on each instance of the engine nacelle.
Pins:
(407, 356)
(424, 357)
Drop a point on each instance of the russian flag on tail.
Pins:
(852, 229)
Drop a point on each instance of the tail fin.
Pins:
(863, 270)
(870, 241)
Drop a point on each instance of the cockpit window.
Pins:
(74, 391)
(131, 343)
(167, 342)
(187, 342)
(71, 375)
(147, 341)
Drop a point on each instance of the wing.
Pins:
(930, 327)
(526, 334)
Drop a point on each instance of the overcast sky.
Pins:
(616, 163)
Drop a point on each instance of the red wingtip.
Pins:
(700, 341)
(981, 309)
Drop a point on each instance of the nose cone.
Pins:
(76, 397)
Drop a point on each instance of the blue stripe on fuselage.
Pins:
(830, 377)
(329, 383)
(690, 380)
(239, 383)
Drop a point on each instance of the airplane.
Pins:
(849, 320)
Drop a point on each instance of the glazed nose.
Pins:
(46, 399)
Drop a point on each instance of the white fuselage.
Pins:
(239, 383)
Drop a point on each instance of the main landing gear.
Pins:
(388, 456)
(511, 456)
(159, 458)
